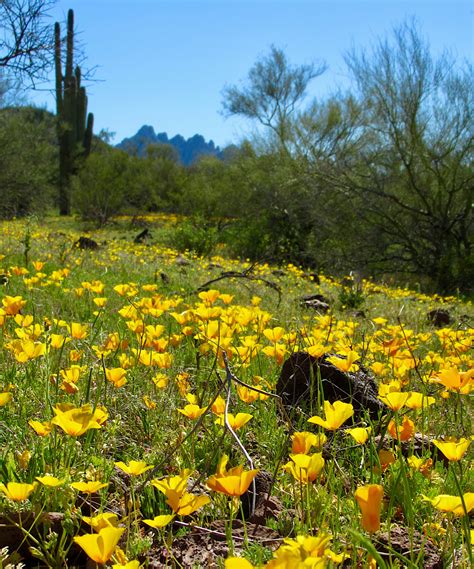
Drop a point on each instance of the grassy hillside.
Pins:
(119, 353)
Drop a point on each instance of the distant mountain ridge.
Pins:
(188, 150)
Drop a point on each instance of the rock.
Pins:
(271, 508)
(214, 266)
(418, 445)
(263, 484)
(301, 369)
(86, 243)
(439, 317)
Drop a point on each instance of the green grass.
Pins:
(143, 422)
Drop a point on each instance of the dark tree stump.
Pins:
(301, 370)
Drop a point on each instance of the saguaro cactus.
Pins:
(74, 125)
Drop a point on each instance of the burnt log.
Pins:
(21, 530)
(439, 318)
(317, 302)
(303, 377)
(309, 297)
(142, 236)
(85, 243)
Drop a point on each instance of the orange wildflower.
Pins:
(17, 491)
(305, 467)
(336, 414)
(369, 498)
(233, 482)
(404, 432)
(100, 546)
(452, 449)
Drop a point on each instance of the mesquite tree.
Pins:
(74, 125)
(273, 91)
(397, 152)
(25, 40)
(381, 176)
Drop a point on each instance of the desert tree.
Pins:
(26, 161)
(272, 92)
(271, 96)
(399, 151)
(417, 170)
(26, 39)
(101, 185)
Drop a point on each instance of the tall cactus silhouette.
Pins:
(74, 125)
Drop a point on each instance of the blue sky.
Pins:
(165, 62)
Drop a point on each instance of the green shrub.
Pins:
(195, 234)
(100, 187)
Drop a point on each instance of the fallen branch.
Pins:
(229, 377)
(246, 274)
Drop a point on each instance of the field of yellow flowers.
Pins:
(139, 424)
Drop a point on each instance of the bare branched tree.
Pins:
(26, 39)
